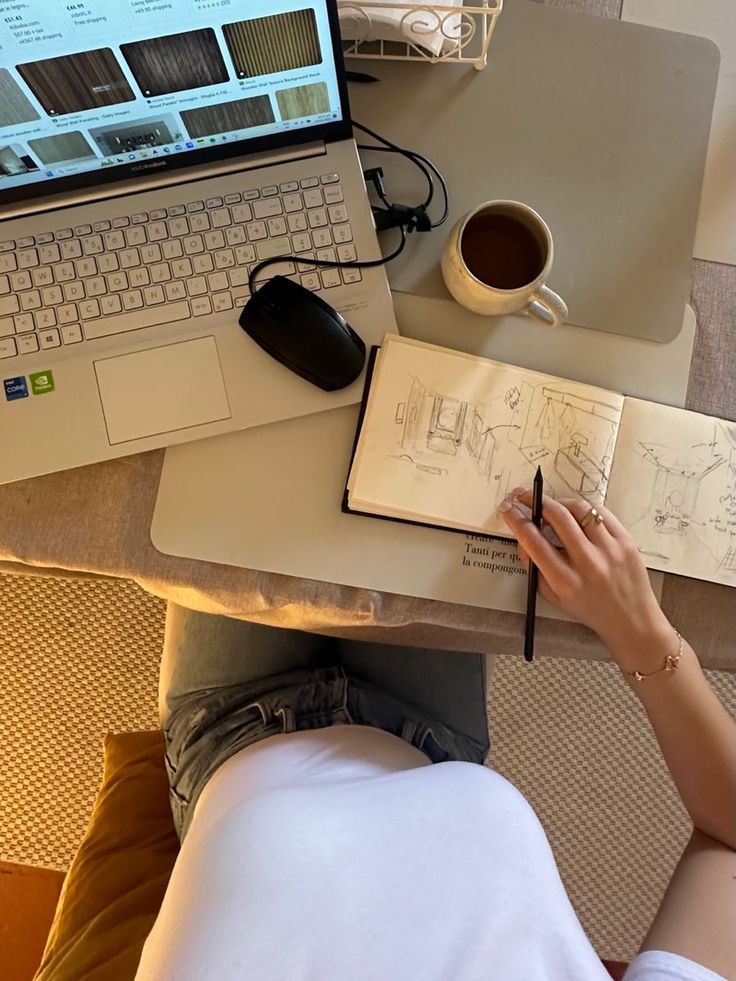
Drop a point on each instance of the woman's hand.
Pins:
(598, 578)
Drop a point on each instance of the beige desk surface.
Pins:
(97, 520)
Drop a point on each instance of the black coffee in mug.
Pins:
(495, 260)
(502, 250)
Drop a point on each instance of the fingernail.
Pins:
(505, 506)
(519, 490)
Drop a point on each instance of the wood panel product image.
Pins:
(14, 106)
(278, 43)
(177, 62)
(73, 83)
(303, 100)
(228, 116)
(65, 146)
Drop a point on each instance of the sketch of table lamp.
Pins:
(579, 470)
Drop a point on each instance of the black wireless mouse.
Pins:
(304, 333)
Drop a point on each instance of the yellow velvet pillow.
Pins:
(117, 880)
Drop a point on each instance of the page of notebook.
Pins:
(447, 436)
(673, 485)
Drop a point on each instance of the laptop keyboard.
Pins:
(74, 285)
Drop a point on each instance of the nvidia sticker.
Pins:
(42, 382)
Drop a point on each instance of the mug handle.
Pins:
(547, 306)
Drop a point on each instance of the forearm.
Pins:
(695, 733)
(599, 578)
(696, 917)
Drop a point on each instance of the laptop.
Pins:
(142, 174)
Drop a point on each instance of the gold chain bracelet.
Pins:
(671, 663)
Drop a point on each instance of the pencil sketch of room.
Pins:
(680, 473)
(524, 425)
(437, 421)
(728, 500)
(439, 424)
(578, 432)
(431, 423)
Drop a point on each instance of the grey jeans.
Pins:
(226, 684)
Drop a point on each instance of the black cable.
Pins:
(408, 154)
(390, 147)
(382, 196)
(324, 263)
(422, 163)
(417, 159)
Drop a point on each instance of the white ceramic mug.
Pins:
(533, 297)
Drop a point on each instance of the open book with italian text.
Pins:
(444, 437)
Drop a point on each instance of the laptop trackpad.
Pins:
(162, 390)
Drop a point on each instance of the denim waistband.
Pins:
(205, 728)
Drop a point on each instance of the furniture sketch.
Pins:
(432, 421)
(582, 473)
(481, 444)
(409, 413)
(525, 424)
(578, 432)
(446, 424)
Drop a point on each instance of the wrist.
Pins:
(644, 647)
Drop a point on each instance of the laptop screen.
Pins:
(127, 86)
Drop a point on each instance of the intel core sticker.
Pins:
(15, 388)
(42, 382)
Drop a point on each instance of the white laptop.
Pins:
(142, 174)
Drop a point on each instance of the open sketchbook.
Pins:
(445, 436)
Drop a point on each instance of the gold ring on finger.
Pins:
(592, 515)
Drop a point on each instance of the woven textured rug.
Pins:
(573, 738)
(79, 658)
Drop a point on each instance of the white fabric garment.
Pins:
(433, 30)
(657, 965)
(343, 853)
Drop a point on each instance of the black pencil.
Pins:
(531, 595)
